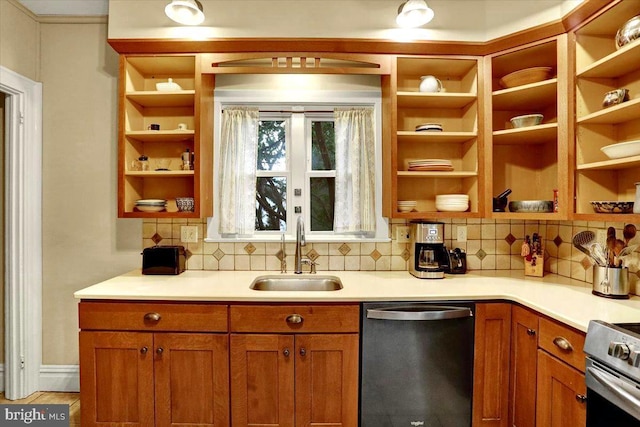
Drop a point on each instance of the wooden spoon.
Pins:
(629, 232)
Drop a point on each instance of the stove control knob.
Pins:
(634, 358)
(619, 350)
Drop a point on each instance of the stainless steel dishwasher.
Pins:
(417, 364)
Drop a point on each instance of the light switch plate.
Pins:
(189, 234)
(402, 234)
(461, 233)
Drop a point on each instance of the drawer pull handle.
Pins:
(563, 343)
(581, 398)
(152, 317)
(531, 332)
(144, 350)
(286, 352)
(294, 318)
(303, 352)
(160, 350)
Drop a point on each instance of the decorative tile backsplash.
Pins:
(490, 245)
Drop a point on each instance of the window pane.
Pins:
(323, 147)
(322, 201)
(271, 146)
(271, 203)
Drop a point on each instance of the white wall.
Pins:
(467, 20)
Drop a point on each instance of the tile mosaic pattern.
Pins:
(491, 245)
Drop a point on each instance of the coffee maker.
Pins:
(429, 257)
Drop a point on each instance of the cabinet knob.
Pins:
(152, 317)
(563, 344)
(581, 398)
(303, 351)
(160, 350)
(144, 350)
(294, 318)
(531, 332)
(286, 352)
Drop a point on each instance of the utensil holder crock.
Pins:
(611, 282)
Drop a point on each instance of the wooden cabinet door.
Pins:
(491, 365)
(327, 380)
(561, 391)
(524, 352)
(116, 379)
(191, 379)
(262, 380)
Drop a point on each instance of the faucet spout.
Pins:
(300, 241)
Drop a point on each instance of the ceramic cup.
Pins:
(182, 126)
(154, 126)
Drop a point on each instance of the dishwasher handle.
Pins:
(418, 312)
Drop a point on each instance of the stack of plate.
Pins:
(406, 205)
(151, 205)
(433, 127)
(452, 202)
(429, 165)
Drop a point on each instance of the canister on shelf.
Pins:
(186, 160)
(143, 162)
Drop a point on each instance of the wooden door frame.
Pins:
(23, 234)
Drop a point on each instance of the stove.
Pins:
(613, 374)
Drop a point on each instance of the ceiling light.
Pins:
(414, 13)
(185, 12)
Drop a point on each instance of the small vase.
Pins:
(636, 203)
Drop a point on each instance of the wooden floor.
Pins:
(44, 398)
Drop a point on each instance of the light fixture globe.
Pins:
(185, 12)
(414, 13)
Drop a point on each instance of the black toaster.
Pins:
(163, 260)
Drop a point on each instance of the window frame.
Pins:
(298, 101)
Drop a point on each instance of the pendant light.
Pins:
(414, 13)
(185, 12)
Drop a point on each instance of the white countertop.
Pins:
(566, 300)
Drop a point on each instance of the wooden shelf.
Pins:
(181, 98)
(627, 218)
(427, 136)
(436, 214)
(160, 174)
(161, 135)
(528, 97)
(539, 134)
(620, 113)
(619, 63)
(452, 174)
(435, 100)
(614, 164)
(527, 215)
(163, 214)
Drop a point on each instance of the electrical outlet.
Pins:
(189, 234)
(402, 234)
(461, 233)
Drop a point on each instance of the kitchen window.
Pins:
(296, 166)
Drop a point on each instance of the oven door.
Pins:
(612, 399)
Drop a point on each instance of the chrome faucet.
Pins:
(300, 241)
(283, 260)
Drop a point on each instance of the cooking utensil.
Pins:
(627, 251)
(582, 239)
(598, 254)
(629, 232)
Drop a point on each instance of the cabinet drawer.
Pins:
(133, 316)
(563, 342)
(294, 318)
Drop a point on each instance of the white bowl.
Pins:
(406, 208)
(150, 208)
(168, 86)
(526, 120)
(451, 208)
(622, 149)
(452, 198)
(151, 202)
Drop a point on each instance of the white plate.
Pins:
(622, 149)
(151, 202)
(144, 208)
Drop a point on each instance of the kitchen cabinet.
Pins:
(532, 161)
(600, 68)
(491, 365)
(141, 106)
(147, 364)
(458, 110)
(294, 365)
(547, 372)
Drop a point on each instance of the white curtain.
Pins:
(355, 171)
(238, 157)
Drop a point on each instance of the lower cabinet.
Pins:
(524, 367)
(141, 364)
(294, 365)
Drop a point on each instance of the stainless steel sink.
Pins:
(297, 283)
